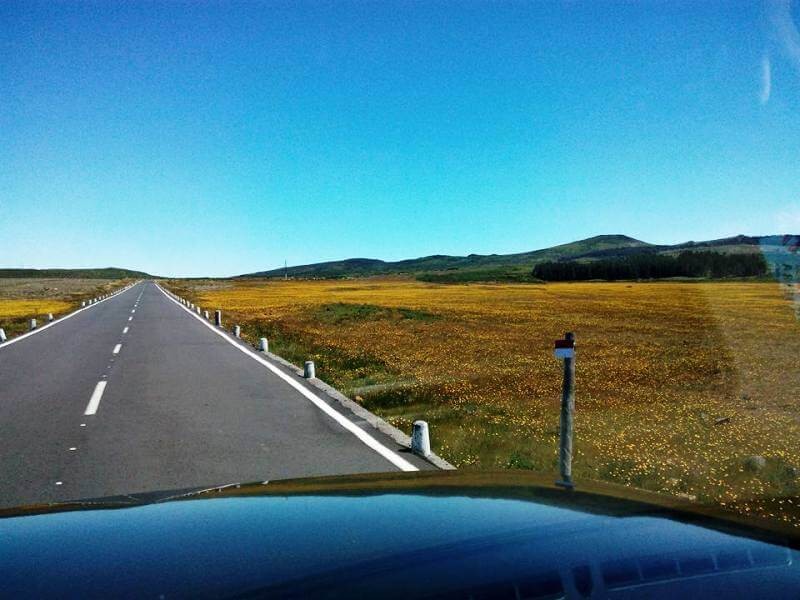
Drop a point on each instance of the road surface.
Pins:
(136, 394)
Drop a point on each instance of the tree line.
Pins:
(656, 266)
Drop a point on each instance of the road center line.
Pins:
(94, 401)
(117, 349)
(130, 318)
(124, 331)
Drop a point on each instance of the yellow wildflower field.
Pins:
(16, 308)
(22, 299)
(678, 383)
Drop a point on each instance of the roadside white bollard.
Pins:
(420, 439)
(3, 337)
(198, 309)
(308, 369)
(263, 345)
(50, 317)
(191, 305)
(237, 331)
(83, 304)
(218, 318)
(33, 324)
(205, 315)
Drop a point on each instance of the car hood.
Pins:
(409, 535)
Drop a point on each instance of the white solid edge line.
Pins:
(14, 340)
(94, 401)
(116, 349)
(362, 435)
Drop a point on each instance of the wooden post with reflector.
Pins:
(565, 350)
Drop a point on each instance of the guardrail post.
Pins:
(420, 439)
(218, 318)
(308, 369)
(49, 317)
(237, 331)
(33, 324)
(263, 345)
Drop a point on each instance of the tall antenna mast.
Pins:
(285, 270)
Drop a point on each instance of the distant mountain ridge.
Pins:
(513, 267)
(102, 273)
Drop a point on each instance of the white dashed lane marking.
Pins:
(94, 401)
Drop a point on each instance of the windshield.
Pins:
(372, 237)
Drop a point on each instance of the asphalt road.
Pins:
(182, 407)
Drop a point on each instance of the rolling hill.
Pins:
(103, 273)
(517, 267)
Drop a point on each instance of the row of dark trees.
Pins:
(656, 266)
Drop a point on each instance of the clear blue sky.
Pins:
(223, 138)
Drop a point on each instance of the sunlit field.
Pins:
(681, 387)
(24, 299)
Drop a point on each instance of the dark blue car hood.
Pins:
(456, 535)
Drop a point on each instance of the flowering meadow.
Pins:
(682, 387)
